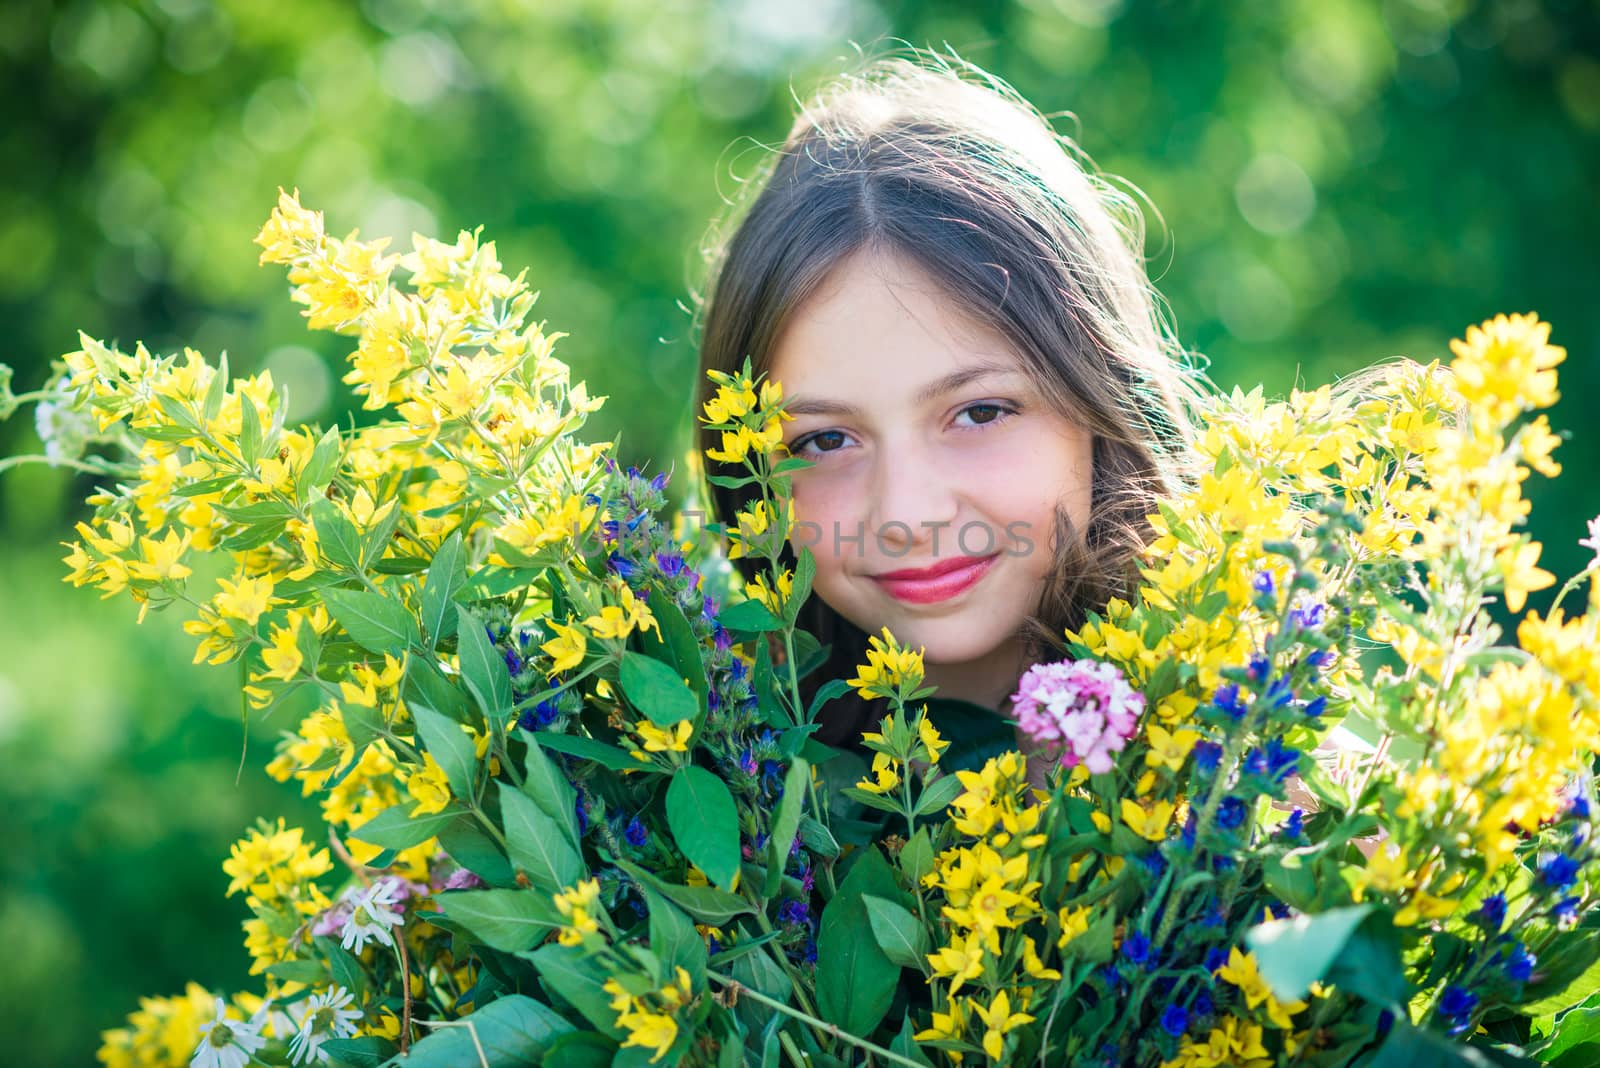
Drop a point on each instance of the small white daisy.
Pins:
(327, 1016)
(226, 1043)
(372, 912)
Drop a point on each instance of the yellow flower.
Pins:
(931, 738)
(886, 769)
(429, 787)
(1241, 971)
(291, 232)
(1074, 922)
(1169, 748)
(1504, 366)
(580, 905)
(961, 960)
(567, 649)
(663, 740)
(888, 667)
(245, 599)
(950, 1025)
(282, 655)
(1150, 823)
(998, 1020)
(1032, 965)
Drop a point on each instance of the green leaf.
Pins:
(900, 935)
(581, 1049)
(916, 856)
(1569, 971)
(936, 796)
(805, 572)
(450, 746)
(547, 786)
(657, 690)
(787, 822)
(217, 391)
(674, 938)
(393, 828)
(566, 971)
(337, 537)
(512, 1031)
(508, 920)
(363, 1051)
(705, 823)
(679, 644)
(378, 537)
(376, 623)
(825, 693)
(1409, 1046)
(249, 431)
(607, 756)
(862, 978)
(482, 667)
(1294, 953)
(907, 1046)
(426, 685)
(299, 971)
(446, 575)
(537, 843)
(750, 617)
(322, 466)
(706, 904)
(474, 850)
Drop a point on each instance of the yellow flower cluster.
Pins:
(990, 905)
(276, 869)
(890, 671)
(161, 1032)
(748, 422)
(650, 1017)
(1233, 1043)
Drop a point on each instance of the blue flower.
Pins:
(1274, 762)
(1187, 834)
(1263, 585)
(1111, 977)
(583, 814)
(1306, 618)
(1207, 755)
(1175, 1021)
(794, 911)
(1227, 699)
(659, 483)
(1280, 693)
(622, 566)
(1491, 914)
(1260, 667)
(1519, 966)
(1559, 871)
(1319, 658)
(1216, 957)
(1231, 813)
(671, 564)
(1294, 826)
(1136, 948)
(1455, 1008)
(1202, 1001)
(1578, 807)
(1315, 707)
(1154, 863)
(539, 716)
(513, 661)
(636, 835)
(1565, 912)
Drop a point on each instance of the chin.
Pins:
(949, 641)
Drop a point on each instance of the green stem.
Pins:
(826, 1028)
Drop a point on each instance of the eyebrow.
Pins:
(803, 405)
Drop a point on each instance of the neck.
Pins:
(988, 681)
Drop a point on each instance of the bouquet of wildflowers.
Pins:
(575, 813)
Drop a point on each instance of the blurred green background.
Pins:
(1337, 181)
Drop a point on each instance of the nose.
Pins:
(913, 507)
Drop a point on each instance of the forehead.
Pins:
(880, 328)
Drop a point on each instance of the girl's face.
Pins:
(931, 448)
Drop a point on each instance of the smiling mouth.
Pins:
(938, 583)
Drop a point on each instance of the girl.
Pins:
(956, 306)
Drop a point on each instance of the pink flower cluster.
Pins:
(1084, 709)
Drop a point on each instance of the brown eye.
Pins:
(835, 436)
(986, 414)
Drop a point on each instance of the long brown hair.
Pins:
(933, 159)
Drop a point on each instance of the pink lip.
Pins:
(937, 583)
